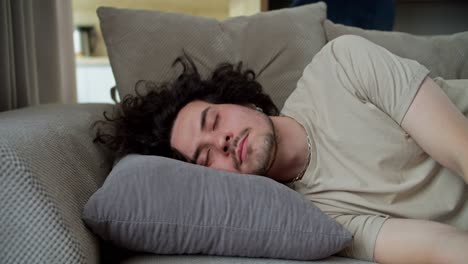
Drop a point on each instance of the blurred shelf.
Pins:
(92, 60)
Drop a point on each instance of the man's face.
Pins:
(225, 136)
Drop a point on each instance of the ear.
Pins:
(251, 106)
(255, 107)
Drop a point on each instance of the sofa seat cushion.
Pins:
(196, 259)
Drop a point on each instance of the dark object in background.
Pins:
(84, 40)
(278, 4)
(366, 14)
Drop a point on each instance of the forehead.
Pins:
(186, 123)
(193, 108)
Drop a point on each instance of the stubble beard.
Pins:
(264, 154)
(266, 151)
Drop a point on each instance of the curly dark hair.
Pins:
(142, 123)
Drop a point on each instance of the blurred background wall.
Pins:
(421, 17)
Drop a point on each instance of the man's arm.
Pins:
(374, 74)
(439, 127)
(420, 241)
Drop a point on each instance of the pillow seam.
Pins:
(210, 226)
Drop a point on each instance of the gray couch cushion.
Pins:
(277, 45)
(165, 206)
(444, 56)
(194, 259)
(48, 169)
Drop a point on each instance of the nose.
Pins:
(224, 142)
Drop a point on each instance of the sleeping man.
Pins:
(366, 136)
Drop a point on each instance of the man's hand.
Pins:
(420, 241)
(439, 127)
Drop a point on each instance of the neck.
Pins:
(292, 149)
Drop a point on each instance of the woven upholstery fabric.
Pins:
(49, 167)
(277, 45)
(29, 217)
(445, 55)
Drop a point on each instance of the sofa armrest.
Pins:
(49, 167)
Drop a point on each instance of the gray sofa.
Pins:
(49, 166)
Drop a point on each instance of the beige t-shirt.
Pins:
(364, 168)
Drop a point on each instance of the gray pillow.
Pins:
(165, 206)
(445, 55)
(142, 44)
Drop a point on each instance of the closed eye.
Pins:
(207, 157)
(215, 124)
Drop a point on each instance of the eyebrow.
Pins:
(202, 126)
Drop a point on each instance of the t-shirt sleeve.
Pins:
(365, 229)
(374, 74)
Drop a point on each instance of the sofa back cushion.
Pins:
(277, 45)
(445, 55)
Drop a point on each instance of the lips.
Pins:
(240, 149)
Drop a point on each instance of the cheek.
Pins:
(223, 168)
(240, 121)
(223, 164)
(176, 143)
